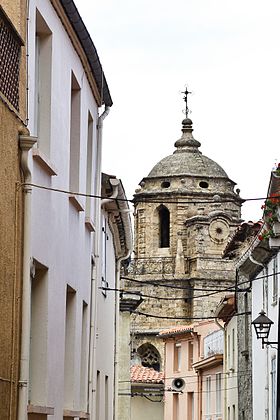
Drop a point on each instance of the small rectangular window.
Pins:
(233, 350)
(177, 357)
(273, 388)
(43, 84)
(10, 49)
(275, 281)
(219, 394)
(190, 355)
(69, 358)
(190, 408)
(208, 396)
(75, 127)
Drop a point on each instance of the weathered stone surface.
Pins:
(204, 211)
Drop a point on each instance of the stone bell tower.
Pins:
(185, 211)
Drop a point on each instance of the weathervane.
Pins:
(186, 93)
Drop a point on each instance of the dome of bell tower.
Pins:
(187, 159)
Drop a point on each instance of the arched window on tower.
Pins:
(164, 227)
(149, 355)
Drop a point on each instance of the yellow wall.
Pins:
(11, 229)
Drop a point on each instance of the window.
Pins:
(190, 409)
(233, 350)
(164, 227)
(89, 186)
(275, 281)
(97, 395)
(175, 406)
(9, 60)
(39, 334)
(273, 388)
(149, 356)
(69, 358)
(106, 397)
(218, 394)
(43, 87)
(208, 396)
(228, 353)
(233, 412)
(83, 360)
(177, 357)
(104, 239)
(190, 355)
(75, 118)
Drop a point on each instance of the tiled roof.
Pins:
(143, 374)
(179, 329)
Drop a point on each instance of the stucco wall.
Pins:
(11, 229)
(140, 406)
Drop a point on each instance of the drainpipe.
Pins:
(26, 143)
(95, 276)
(115, 183)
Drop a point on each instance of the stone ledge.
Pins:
(44, 162)
(76, 203)
(39, 409)
(76, 413)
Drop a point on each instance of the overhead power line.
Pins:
(149, 200)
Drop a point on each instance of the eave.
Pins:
(209, 362)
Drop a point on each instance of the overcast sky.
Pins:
(227, 52)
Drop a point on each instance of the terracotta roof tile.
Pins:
(177, 330)
(143, 374)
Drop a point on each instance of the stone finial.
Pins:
(187, 142)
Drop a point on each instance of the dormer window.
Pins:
(164, 227)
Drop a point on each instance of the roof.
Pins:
(179, 329)
(246, 232)
(143, 374)
(187, 159)
(89, 49)
(226, 308)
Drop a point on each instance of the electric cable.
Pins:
(63, 191)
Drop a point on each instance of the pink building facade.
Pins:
(193, 372)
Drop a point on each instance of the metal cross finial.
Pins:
(186, 93)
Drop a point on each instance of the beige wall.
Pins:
(10, 230)
(192, 388)
(141, 408)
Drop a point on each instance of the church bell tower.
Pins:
(185, 211)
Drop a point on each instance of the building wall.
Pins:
(264, 297)
(152, 410)
(62, 239)
(12, 123)
(231, 370)
(192, 398)
(244, 339)
(105, 331)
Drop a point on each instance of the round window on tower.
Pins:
(203, 184)
(165, 184)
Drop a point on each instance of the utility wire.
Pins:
(189, 318)
(63, 191)
(213, 376)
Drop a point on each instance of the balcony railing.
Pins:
(214, 344)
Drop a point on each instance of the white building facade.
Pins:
(260, 264)
(68, 352)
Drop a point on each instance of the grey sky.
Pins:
(228, 54)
